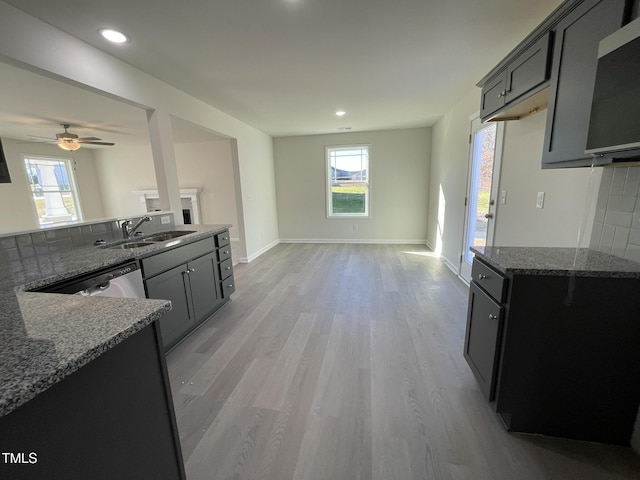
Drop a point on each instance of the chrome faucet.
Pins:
(128, 230)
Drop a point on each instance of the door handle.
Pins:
(488, 215)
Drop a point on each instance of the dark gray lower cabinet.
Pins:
(111, 419)
(484, 323)
(557, 354)
(205, 287)
(191, 277)
(173, 285)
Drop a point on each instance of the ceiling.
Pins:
(282, 66)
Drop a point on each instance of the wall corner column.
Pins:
(164, 161)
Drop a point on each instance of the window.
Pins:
(52, 189)
(348, 181)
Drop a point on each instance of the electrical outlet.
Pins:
(165, 219)
(540, 200)
(355, 226)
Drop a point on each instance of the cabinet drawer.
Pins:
(228, 287)
(164, 261)
(490, 280)
(226, 268)
(222, 238)
(224, 253)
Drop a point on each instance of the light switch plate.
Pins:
(540, 200)
(165, 219)
(503, 197)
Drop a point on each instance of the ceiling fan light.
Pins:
(68, 144)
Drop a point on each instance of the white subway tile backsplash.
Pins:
(618, 181)
(616, 227)
(620, 241)
(621, 203)
(596, 235)
(606, 242)
(632, 185)
(634, 236)
(618, 219)
(633, 253)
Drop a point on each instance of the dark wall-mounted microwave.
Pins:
(614, 126)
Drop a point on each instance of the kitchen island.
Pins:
(84, 391)
(552, 337)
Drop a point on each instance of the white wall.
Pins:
(121, 170)
(17, 212)
(203, 165)
(28, 42)
(399, 171)
(448, 178)
(570, 194)
(208, 166)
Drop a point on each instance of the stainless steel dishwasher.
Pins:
(123, 281)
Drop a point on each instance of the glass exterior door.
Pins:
(483, 162)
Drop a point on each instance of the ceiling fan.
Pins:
(70, 141)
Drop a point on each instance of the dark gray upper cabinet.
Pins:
(530, 69)
(573, 73)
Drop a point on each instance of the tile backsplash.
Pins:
(616, 225)
(54, 239)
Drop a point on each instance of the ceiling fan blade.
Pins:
(38, 136)
(38, 141)
(89, 139)
(110, 144)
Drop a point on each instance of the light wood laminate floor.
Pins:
(344, 362)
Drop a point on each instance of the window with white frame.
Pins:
(348, 181)
(53, 189)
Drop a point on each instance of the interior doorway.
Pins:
(485, 153)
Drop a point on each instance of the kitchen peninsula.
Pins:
(84, 391)
(552, 337)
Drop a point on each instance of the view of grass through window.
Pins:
(348, 171)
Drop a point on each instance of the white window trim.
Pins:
(327, 188)
(70, 164)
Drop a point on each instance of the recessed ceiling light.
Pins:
(340, 113)
(113, 35)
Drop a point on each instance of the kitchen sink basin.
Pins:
(164, 236)
(132, 245)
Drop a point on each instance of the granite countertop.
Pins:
(45, 337)
(580, 262)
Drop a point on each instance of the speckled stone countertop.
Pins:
(580, 262)
(45, 337)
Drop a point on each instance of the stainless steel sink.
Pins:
(132, 245)
(150, 240)
(164, 236)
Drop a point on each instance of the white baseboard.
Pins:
(450, 266)
(386, 241)
(255, 255)
(430, 245)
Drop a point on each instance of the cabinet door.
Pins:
(492, 96)
(481, 345)
(173, 285)
(573, 74)
(205, 286)
(529, 70)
